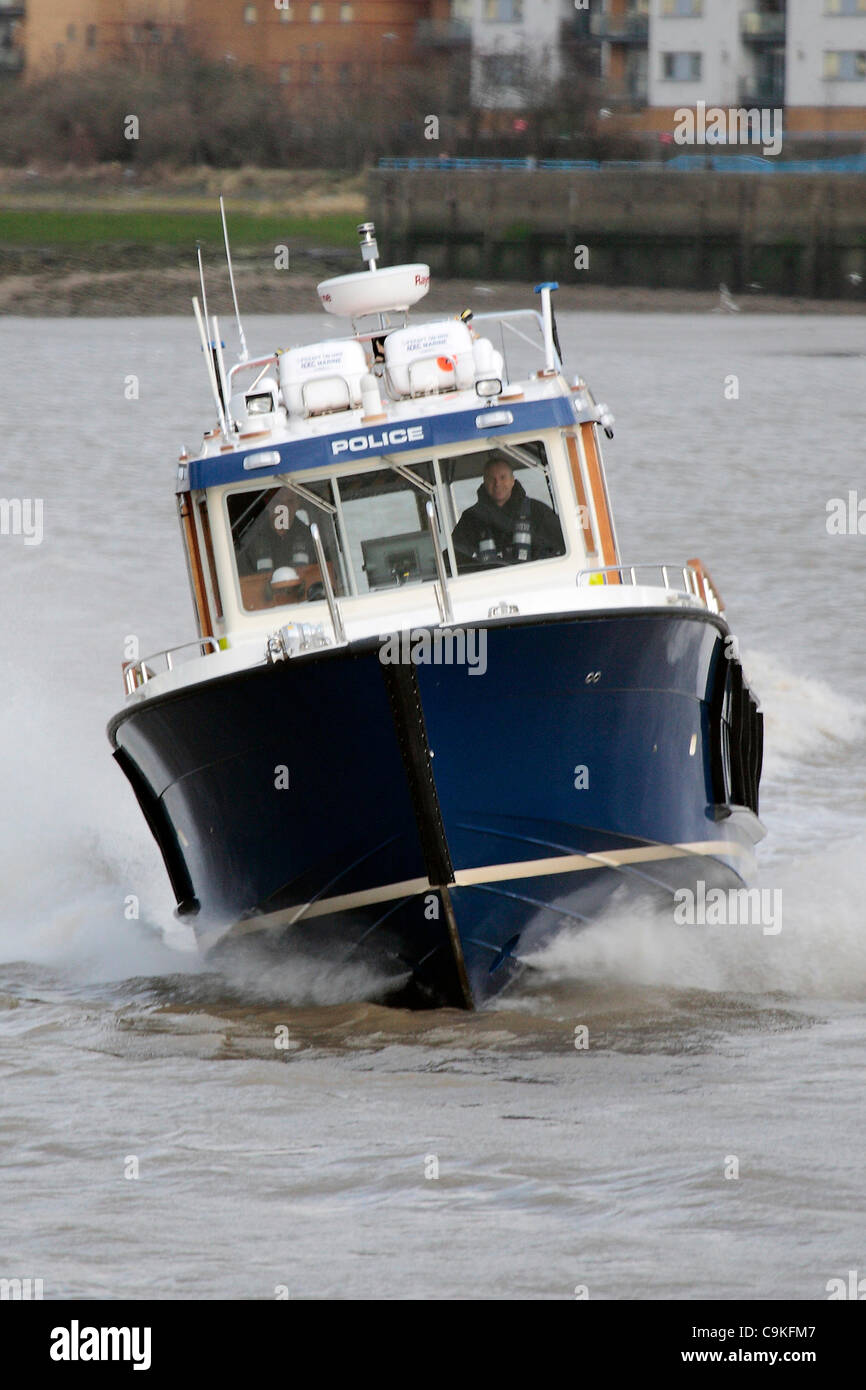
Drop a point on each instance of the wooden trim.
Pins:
(599, 498)
(589, 540)
(194, 565)
(204, 520)
(707, 582)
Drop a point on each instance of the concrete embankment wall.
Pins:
(798, 234)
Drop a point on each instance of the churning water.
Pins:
(313, 1166)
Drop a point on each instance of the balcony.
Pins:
(442, 33)
(620, 28)
(11, 11)
(756, 26)
(11, 60)
(764, 93)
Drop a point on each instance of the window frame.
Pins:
(673, 53)
(669, 10)
(447, 514)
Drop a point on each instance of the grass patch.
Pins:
(44, 228)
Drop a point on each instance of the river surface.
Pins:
(154, 1139)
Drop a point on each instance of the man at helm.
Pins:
(505, 526)
(277, 537)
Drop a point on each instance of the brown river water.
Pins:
(156, 1141)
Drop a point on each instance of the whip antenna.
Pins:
(244, 352)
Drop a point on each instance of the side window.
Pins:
(273, 546)
(504, 507)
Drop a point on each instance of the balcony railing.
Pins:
(623, 28)
(759, 27)
(442, 33)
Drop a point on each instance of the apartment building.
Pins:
(516, 45)
(807, 56)
(649, 57)
(653, 57)
(298, 43)
(11, 25)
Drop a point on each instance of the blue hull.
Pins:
(425, 803)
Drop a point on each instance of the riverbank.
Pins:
(106, 242)
(57, 293)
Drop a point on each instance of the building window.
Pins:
(845, 67)
(503, 70)
(347, 14)
(286, 11)
(503, 11)
(345, 74)
(315, 73)
(251, 14)
(90, 38)
(682, 9)
(285, 73)
(845, 6)
(317, 14)
(681, 67)
(71, 32)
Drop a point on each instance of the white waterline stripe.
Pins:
(467, 878)
(575, 863)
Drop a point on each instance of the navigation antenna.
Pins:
(217, 381)
(244, 355)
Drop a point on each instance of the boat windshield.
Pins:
(492, 506)
(273, 546)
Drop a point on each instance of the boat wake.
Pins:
(819, 953)
(71, 869)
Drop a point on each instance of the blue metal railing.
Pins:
(681, 163)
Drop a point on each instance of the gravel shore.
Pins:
(151, 291)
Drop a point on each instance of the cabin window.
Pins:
(503, 505)
(492, 507)
(386, 527)
(274, 550)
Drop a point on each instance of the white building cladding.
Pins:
(515, 44)
(694, 51)
(728, 53)
(826, 53)
(808, 53)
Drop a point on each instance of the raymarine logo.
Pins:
(362, 443)
(75, 1343)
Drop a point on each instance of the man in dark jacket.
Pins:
(505, 526)
(277, 537)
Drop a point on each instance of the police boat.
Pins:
(431, 716)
